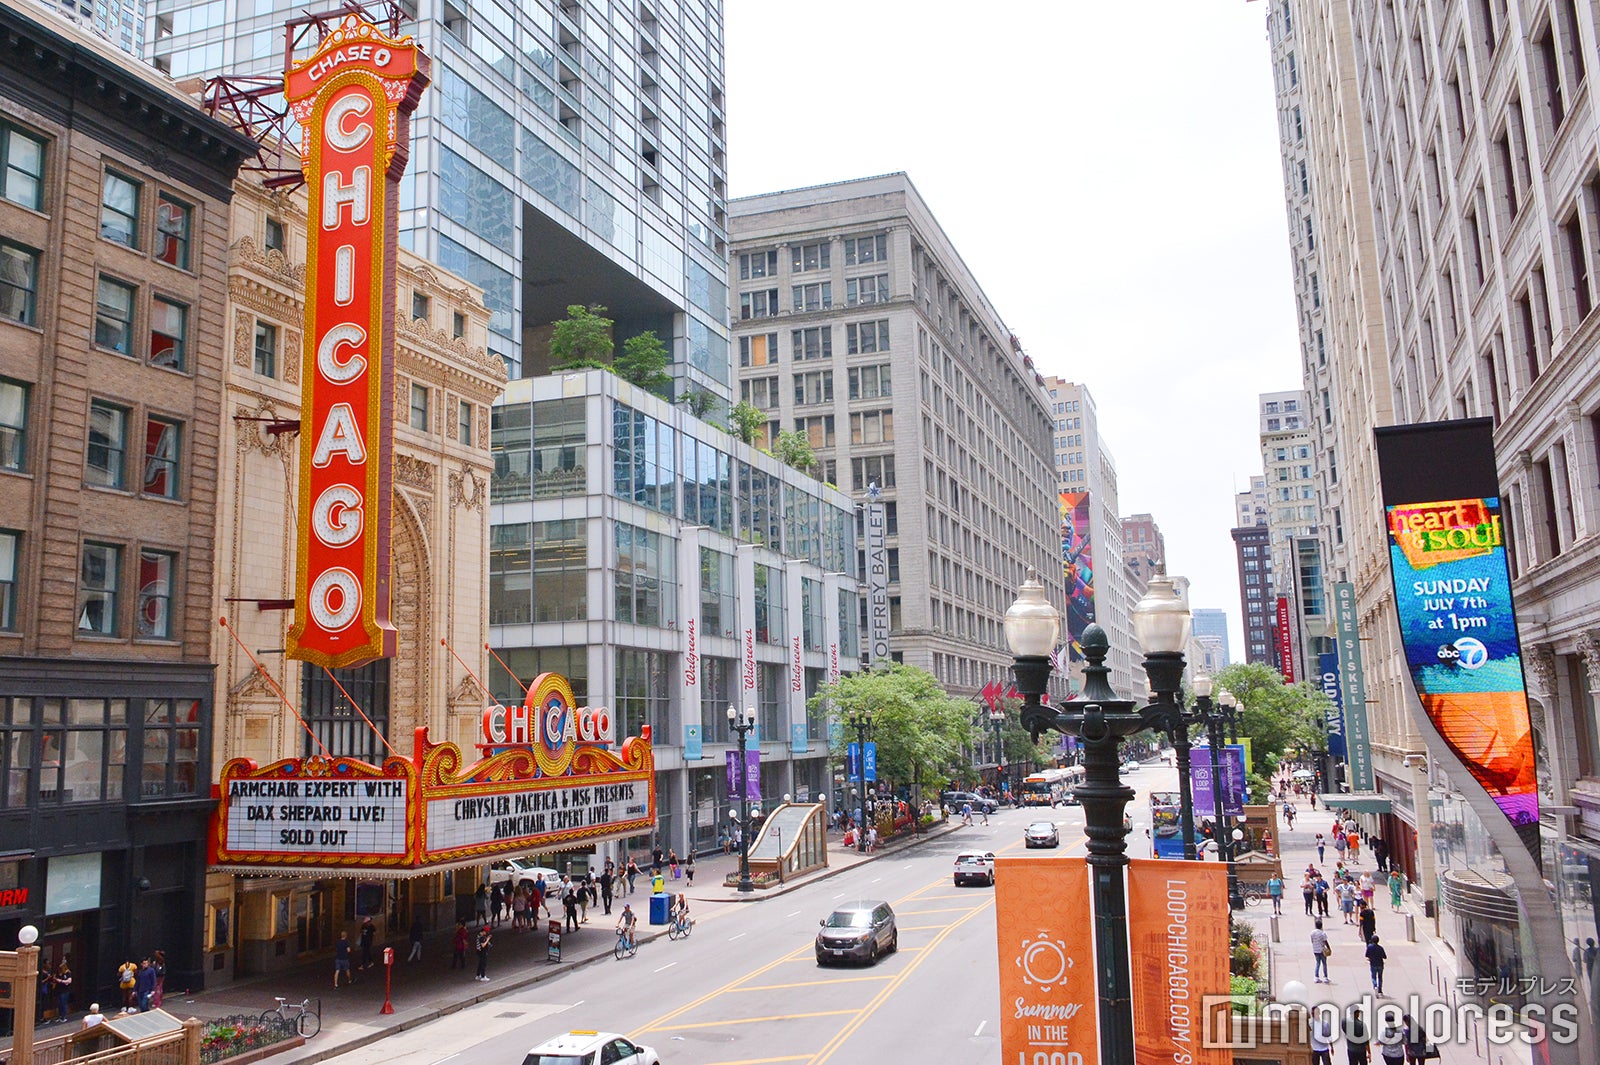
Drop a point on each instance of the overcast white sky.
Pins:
(1109, 172)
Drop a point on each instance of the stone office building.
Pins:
(114, 198)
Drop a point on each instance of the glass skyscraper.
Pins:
(568, 151)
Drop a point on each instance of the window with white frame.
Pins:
(817, 296)
(860, 291)
(810, 256)
(762, 303)
(859, 251)
(758, 264)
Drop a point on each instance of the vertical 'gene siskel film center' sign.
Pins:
(1452, 590)
(352, 99)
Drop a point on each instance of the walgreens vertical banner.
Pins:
(1452, 589)
(1047, 971)
(1179, 948)
(352, 99)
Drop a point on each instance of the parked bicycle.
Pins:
(305, 1016)
(627, 944)
(680, 927)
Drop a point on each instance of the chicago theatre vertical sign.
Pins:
(352, 99)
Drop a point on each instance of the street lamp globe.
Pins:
(27, 935)
(733, 715)
(1238, 835)
(1227, 699)
(1161, 619)
(1202, 686)
(1032, 625)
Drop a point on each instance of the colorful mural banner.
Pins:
(1047, 968)
(546, 780)
(1179, 949)
(1077, 561)
(1452, 585)
(1353, 684)
(352, 99)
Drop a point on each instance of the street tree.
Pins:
(644, 361)
(699, 402)
(582, 340)
(922, 732)
(1277, 717)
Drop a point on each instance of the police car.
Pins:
(590, 1048)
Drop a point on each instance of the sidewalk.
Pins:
(1424, 968)
(426, 990)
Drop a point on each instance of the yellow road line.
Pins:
(953, 909)
(816, 983)
(759, 1061)
(751, 1020)
(918, 927)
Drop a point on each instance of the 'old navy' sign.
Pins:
(1328, 675)
(352, 100)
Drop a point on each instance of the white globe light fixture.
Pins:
(1161, 619)
(27, 935)
(1202, 686)
(1033, 625)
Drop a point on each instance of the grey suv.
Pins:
(859, 931)
(954, 800)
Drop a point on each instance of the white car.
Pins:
(590, 1048)
(515, 871)
(1132, 765)
(976, 866)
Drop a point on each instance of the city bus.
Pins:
(1166, 824)
(1051, 786)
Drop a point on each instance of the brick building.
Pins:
(114, 197)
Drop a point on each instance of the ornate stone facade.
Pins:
(438, 594)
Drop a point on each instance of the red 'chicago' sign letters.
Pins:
(352, 98)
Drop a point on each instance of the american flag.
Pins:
(1058, 659)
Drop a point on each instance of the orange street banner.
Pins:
(1047, 977)
(1178, 942)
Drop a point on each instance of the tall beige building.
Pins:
(1452, 189)
(858, 325)
(1084, 464)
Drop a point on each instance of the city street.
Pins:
(746, 987)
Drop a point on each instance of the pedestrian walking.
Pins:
(1275, 893)
(1357, 1038)
(1321, 951)
(581, 889)
(1392, 1041)
(1308, 890)
(1322, 1034)
(607, 877)
(1368, 919)
(416, 939)
(1397, 885)
(1366, 887)
(484, 941)
(1288, 816)
(341, 960)
(1347, 901)
(1321, 890)
(497, 902)
(569, 904)
(1354, 841)
(144, 988)
(632, 872)
(655, 860)
(966, 814)
(1416, 1041)
(63, 989)
(519, 908)
(458, 946)
(675, 864)
(1322, 846)
(159, 961)
(369, 932)
(1340, 844)
(480, 903)
(983, 811)
(540, 901)
(127, 976)
(688, 872)
(93, 1017)
(1376, 956)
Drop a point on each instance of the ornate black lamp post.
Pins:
(1161, 622)
(1101, 721)
(995, 719)
(1217, 716)
(861, 720)
(743, 724)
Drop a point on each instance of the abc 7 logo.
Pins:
(1467, 652)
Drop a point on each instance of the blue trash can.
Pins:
(659, 904)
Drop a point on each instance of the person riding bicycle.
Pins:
(680, 910)
(626, 923)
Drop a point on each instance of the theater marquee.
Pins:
(552, 784)
(352, 99)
